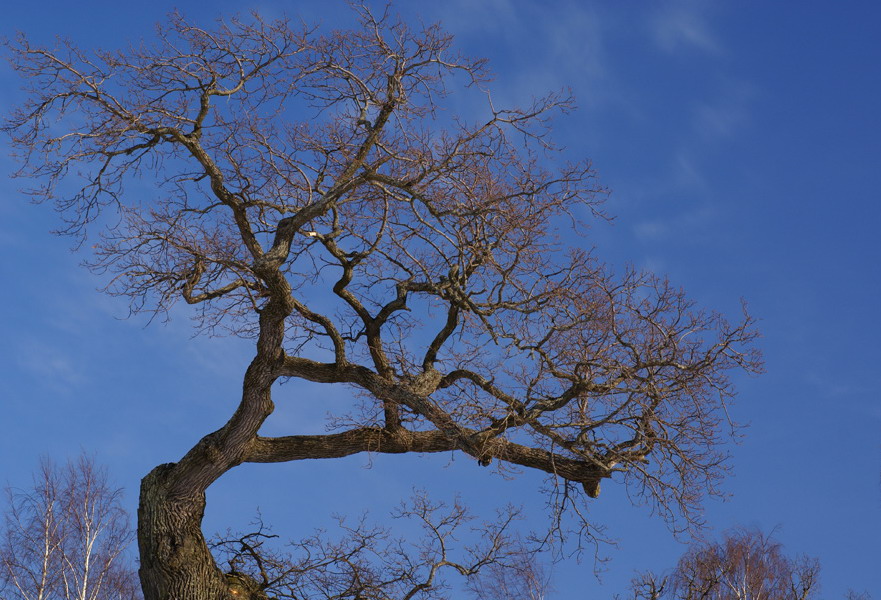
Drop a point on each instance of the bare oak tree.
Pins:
(65, 538)
(312, 194)
(745, 565)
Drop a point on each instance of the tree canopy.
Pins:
(312, 191)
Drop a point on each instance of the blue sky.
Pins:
(742, 145)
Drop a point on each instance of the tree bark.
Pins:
(175, 561)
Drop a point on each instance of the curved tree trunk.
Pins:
(175, 561)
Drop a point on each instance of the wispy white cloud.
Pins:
(552, 47)
(693, 223)
(833, 387)
(51, 366)
(720, 119)
(493, 16)
(683, 26)
(10, 239)
(727, 114)
(686, 172)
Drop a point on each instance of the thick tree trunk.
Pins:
(175, 561)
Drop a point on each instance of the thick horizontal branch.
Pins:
(336, 445)
(401, 441)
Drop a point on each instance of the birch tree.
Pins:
(66, 537)
(745, 564)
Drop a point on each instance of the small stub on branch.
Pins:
(592, 488)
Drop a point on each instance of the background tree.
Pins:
(312, 195)
(65, 538)
(367, 561)
(745, 564)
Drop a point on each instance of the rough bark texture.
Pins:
(175, 560)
